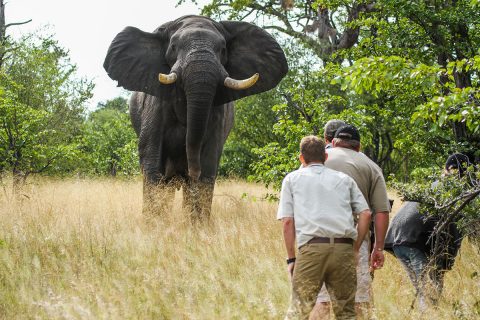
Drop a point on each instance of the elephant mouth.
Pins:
(228, 82)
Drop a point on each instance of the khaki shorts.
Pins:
(364, 280)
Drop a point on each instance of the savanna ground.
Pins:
(81, 249)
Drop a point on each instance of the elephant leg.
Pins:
(190, 194)
(158, 198)
(205, 198)
(197, 199)
(157, 192)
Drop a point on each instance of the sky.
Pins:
(86, 28)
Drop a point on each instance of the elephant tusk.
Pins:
(167, 78)
(241, 84)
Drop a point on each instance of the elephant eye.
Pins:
(173, 48)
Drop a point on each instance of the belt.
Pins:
(327, 240)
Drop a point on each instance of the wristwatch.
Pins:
(291, 260)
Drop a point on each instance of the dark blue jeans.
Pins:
(415, 263)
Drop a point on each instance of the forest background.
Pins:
(406, 73)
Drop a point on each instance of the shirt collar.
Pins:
(315, 165)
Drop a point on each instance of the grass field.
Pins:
(81, 249)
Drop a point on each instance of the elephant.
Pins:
(186, 75)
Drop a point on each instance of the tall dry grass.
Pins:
(81, 249)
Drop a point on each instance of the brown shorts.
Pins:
(364, 279)
(319, 263)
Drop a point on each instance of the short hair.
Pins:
(331, 128)
(313, 149)
(346, 143)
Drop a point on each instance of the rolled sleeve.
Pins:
(357, 200)
(285, 206)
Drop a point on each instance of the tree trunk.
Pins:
(462, 80)
(18, 181)
(113, 169)
(2, 32)
(2, 21)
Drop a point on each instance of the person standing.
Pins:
(345, 156)
(317, 207)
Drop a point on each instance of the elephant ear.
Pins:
(135, 58)
(251, 50)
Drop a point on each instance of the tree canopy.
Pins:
(109, 143)
(41, 107)
(404, 72)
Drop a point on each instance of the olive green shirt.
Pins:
(366, 173)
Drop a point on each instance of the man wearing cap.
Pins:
(345, 156)
(317, 207)
(457, 161)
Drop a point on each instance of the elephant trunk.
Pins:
(201, 79)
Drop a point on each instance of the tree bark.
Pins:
(330, 38)
(2, 32)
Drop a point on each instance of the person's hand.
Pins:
(377, 259)
(290, 268)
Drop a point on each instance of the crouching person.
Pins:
(317, 208)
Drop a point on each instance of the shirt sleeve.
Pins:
(379, 198)
(357, 200)
(285, 206)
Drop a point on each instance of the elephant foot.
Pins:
(199, 213)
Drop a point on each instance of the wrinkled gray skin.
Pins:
(182, 127)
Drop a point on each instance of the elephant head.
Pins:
(213, 63)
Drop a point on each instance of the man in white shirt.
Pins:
(317, 207)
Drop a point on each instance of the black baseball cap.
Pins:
(348, 132)
(457, 161)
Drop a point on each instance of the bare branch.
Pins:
(441, 236)
(451, 217)
(454, 201)
(247, 15)
(17, 23)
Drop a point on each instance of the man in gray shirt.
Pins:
(317, 207)
(345, 156)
